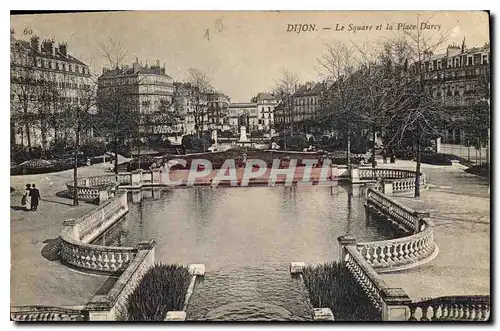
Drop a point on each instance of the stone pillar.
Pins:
(395, 305)
(438, 145)
(345, 241)
(147, 245)
(103, 196)
(387, 187)
(137, 177)
(323, 314)
(176, 316)
(418, 223)
(136, 196)
(354, 174)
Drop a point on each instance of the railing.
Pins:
(76, 247)
(89, 189)
(404, 216)
(454, 308)
(370, 173)
(46, 314)
(390, 302)
(401, 253)
(365, 276)
(401, 180)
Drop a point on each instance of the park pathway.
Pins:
(459, 204)
(37, 277)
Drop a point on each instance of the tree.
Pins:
(117, 113)
(285, 87)
(341, 100)
(199, 86)
(421, 117)
(80, 117)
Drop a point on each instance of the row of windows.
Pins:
(49, 98)
(305, 101)
(462, 74)
(456, 62)
(58, 65)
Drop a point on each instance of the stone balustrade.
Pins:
(47, 314)
(89, 189)
(451, 308)
(76, 247)
(370, 173)
(390, 302)
(402, 216)
(398, 180)
(402, 253)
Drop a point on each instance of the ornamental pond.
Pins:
(246, 237)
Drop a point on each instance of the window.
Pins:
(470, 60)
(485, 59)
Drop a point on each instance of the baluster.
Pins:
(476, 312)
(375, 256)
(382, 256)
(406, 251)
(452, 313)
(444, 312)
(424, 313)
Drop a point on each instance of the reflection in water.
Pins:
(235, 232)
(264, 292)
(250, 225)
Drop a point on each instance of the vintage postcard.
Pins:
(250, 166)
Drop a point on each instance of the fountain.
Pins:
(243, 137)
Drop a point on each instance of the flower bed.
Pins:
(162, 289)
(331, 285)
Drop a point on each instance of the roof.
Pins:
(315, 89)
(26, 45)
(130, 71)
(242, 105)
(265, 96)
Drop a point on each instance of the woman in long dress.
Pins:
(26, 200)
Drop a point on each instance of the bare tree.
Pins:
(338, 64)
(199, 86)
(117, 107)
(422, 117)
(79, 116)
(285, 87)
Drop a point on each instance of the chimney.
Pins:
(63, 49)
(136, 66)
(48, 46)
(35, 43)
(158, 63)
(308, 86)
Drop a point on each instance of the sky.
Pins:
(243, 52)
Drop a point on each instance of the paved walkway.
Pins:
(37, 278)
(459, 204)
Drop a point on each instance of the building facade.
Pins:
(457, 79)
(304, 104)
(47, 85)
(146, 90)
(257, 115)
(217, 112)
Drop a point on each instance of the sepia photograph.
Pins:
(250, 166)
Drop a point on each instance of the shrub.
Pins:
(482, 170)
(162, 289)
(439, 158)
(294, 143)
(331, 285)
(192, 142)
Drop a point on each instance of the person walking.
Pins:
(35, 197)
(25, 200)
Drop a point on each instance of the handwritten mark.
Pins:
(219, 26)
(27, 31)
